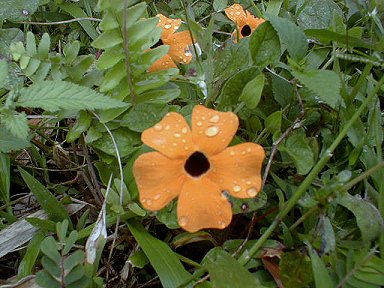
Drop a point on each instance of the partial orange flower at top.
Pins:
(178, 42)
(196, 166)
(245, 21)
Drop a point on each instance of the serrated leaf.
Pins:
(324, 83)
(251, 93)
(16, 123)
(219, 5)
(368, 217)
(291, 36)
(17, 10)
(56, 95)
(226, 272)
(48, 202)
(265, 45)
(9, 142)
(163, 259)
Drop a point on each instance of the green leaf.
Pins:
(219, 5)
(55, 210)
(8, 142)
(76, 12)
(3, 72)
(226, 272)
(265, 45)
(143, 116)
(368, 217)
(251, 93)
(273, 122)
(108, 39)
(45, 280)
(28, 262)
(30, 46)
(324, 83)
(81, 125)
(300, 152)
(320, 273)
(17, 10)
(73, 260)
(316, 14)
(56, 95)
(16, 123)
(44, 46)
(299, 263)
(162, 258)
(50, 248)
(290, 35)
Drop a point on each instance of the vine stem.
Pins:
(245, 256)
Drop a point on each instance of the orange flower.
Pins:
(178, 44)
(245, 21)
(196, 166)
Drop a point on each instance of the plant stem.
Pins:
(309, 179)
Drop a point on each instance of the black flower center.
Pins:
(197, 164)
(157, 44)
(246, 31)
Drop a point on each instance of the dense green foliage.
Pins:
(76, 94)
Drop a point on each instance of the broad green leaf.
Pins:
(219, 5)
(297, 147)
(81, 125)
(16, 123)
(324, 83)
(320, 273)
(273, 121)
(17, 10)
(28, 262)
(143, 116)
(56, 95)
(163, 259)
(316, 14)
(45, 280)
(50, 248)
(54, 209)
(138, 259)
(368, 217)
(161, 95)
(108, 39)
(226, 272)
(3, 72)
(265, 45)
(291, 36)
(76, 12)
(251, 93)
(298, 263)
(274, 7)
(8, 142)
(73, 260)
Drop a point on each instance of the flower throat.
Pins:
(197, 164)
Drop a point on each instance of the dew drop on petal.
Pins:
(215, 119)
(157, 197)
(236, 188)
(158, 127)
(199, 123)
(222, 224)
(174, 144)
(187, 53)
(223, 198)
(149, 202)
(177, 135)
(252, 192)
(167, 26)
(249, 150)
(248, 182)
(167, 127)
(183, 221)
(184, 130)
(237, 13)
(232, 153)
(212, 131)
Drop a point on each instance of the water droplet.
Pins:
(199, 123)
(222, 224)
(249, 150)
(167, 127)
(249, 182)
(243, 153)
(149, 202)
(232, 153)
(202, 117)
(158, 127)
(223, 198)
(186, 148)
(167, 26)
(184, 130)
(236, 188)
(174, 144)
(237, 13)
(176, 27)
(183, 221)
(187, 53)
(215, 119)
(252, 192)
(25, 12)
(212, 131)
(157, 197)
(177, 135)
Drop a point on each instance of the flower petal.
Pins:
(236, 13)
(163, 63)
(168, 25)
(202, 205)
(238, 169)
(253, 21)
(179, 47)
(171, 136)
(213, 130)
(158, 178)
